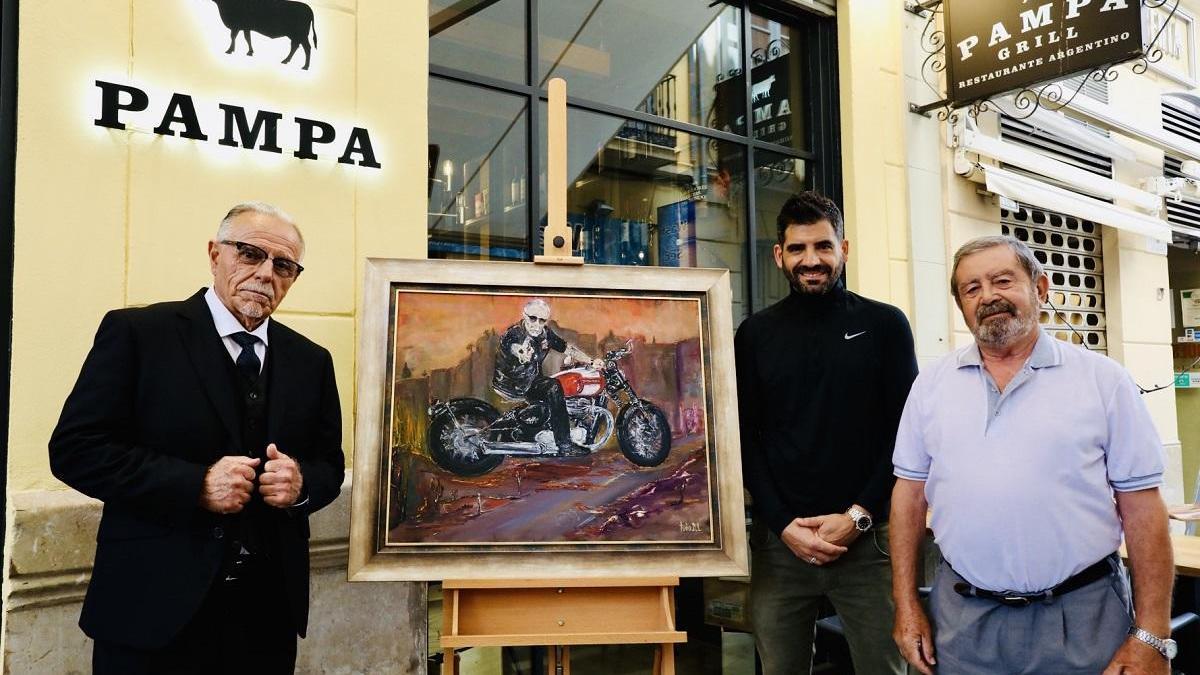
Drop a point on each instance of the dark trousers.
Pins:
(1073, 634)
(242, 627)
(785, 595)
(549, 392)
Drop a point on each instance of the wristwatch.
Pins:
(862, 519)
(1165, 646)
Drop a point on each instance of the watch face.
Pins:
(1171, 648)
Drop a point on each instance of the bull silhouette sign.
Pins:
(272, 18)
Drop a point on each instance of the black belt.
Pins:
(1093, 573)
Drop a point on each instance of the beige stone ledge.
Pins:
(354, 628)
(54, 543)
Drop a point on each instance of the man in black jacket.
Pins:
(822, 378)
(210, 433)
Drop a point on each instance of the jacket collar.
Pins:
(209, 358)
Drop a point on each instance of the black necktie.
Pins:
(247, 362)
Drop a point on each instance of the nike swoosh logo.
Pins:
(851, 337)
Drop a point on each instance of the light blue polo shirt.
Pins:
(1020, 483)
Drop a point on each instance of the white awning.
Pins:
(1010, 153)
(1186, 230)
(1187, 96)
(1137, 128)
(1036, 193)
(1054, 122)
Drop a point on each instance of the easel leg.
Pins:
(558, 661)
(449, 662)
(664, 659)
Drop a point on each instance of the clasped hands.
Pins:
(820, 540)
(229, 482)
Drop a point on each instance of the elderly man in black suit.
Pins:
(210, 432)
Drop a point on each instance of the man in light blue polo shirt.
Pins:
(1034, 457)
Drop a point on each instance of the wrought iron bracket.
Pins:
(923, 110)
(919, 8)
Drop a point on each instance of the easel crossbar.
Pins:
(533, 640)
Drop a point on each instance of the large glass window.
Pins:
(478, 173)
(484, 38)
(646, 194)
(665, 166)
(776, 177)
(665, 58)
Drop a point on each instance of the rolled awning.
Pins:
(1010, 153)
(1058, 124)
(1022, 188)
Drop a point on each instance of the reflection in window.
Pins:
(649, 191)
(666, 58)
(776, 178)
(642, 194)
(485, 38)
(777, 79)
(478, 187)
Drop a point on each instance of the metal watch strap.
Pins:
(858, 515)
(1151, 639)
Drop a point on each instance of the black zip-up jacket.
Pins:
(822, 381)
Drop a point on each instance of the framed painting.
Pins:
(517, 421)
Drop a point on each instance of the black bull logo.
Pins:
(272, 18)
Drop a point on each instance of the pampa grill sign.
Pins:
(995, 46)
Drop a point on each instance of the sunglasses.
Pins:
(537, 319)
(253, 256)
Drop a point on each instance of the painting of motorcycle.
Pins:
(576, 418)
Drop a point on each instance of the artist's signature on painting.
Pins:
(691, 526)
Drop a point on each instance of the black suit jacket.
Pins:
(154, 406)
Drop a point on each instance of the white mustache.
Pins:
(264, 289)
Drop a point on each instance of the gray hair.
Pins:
(258, 207)
(1028, 261)
(536, 303)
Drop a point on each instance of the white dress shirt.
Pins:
(228, 325)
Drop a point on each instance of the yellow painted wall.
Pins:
(108, 218)
(873, 106)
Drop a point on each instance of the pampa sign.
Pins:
(994, 46)
(240, 128)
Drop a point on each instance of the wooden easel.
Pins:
(556, 239)
(560, 613)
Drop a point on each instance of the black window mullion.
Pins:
(465, 77)
(8, 160)
(533, 195)
(783, 150)
(751, 276)
(825, 129)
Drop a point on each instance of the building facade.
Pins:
(418, 129)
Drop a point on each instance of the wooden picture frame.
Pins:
(446, 485)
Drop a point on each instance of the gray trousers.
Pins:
(785, 593)
(1075, 634)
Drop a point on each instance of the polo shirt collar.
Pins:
(1045, 354)
(226, 323)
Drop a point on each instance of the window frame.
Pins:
(822, 138)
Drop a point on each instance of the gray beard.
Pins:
(1004, 331)
(252, 310)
